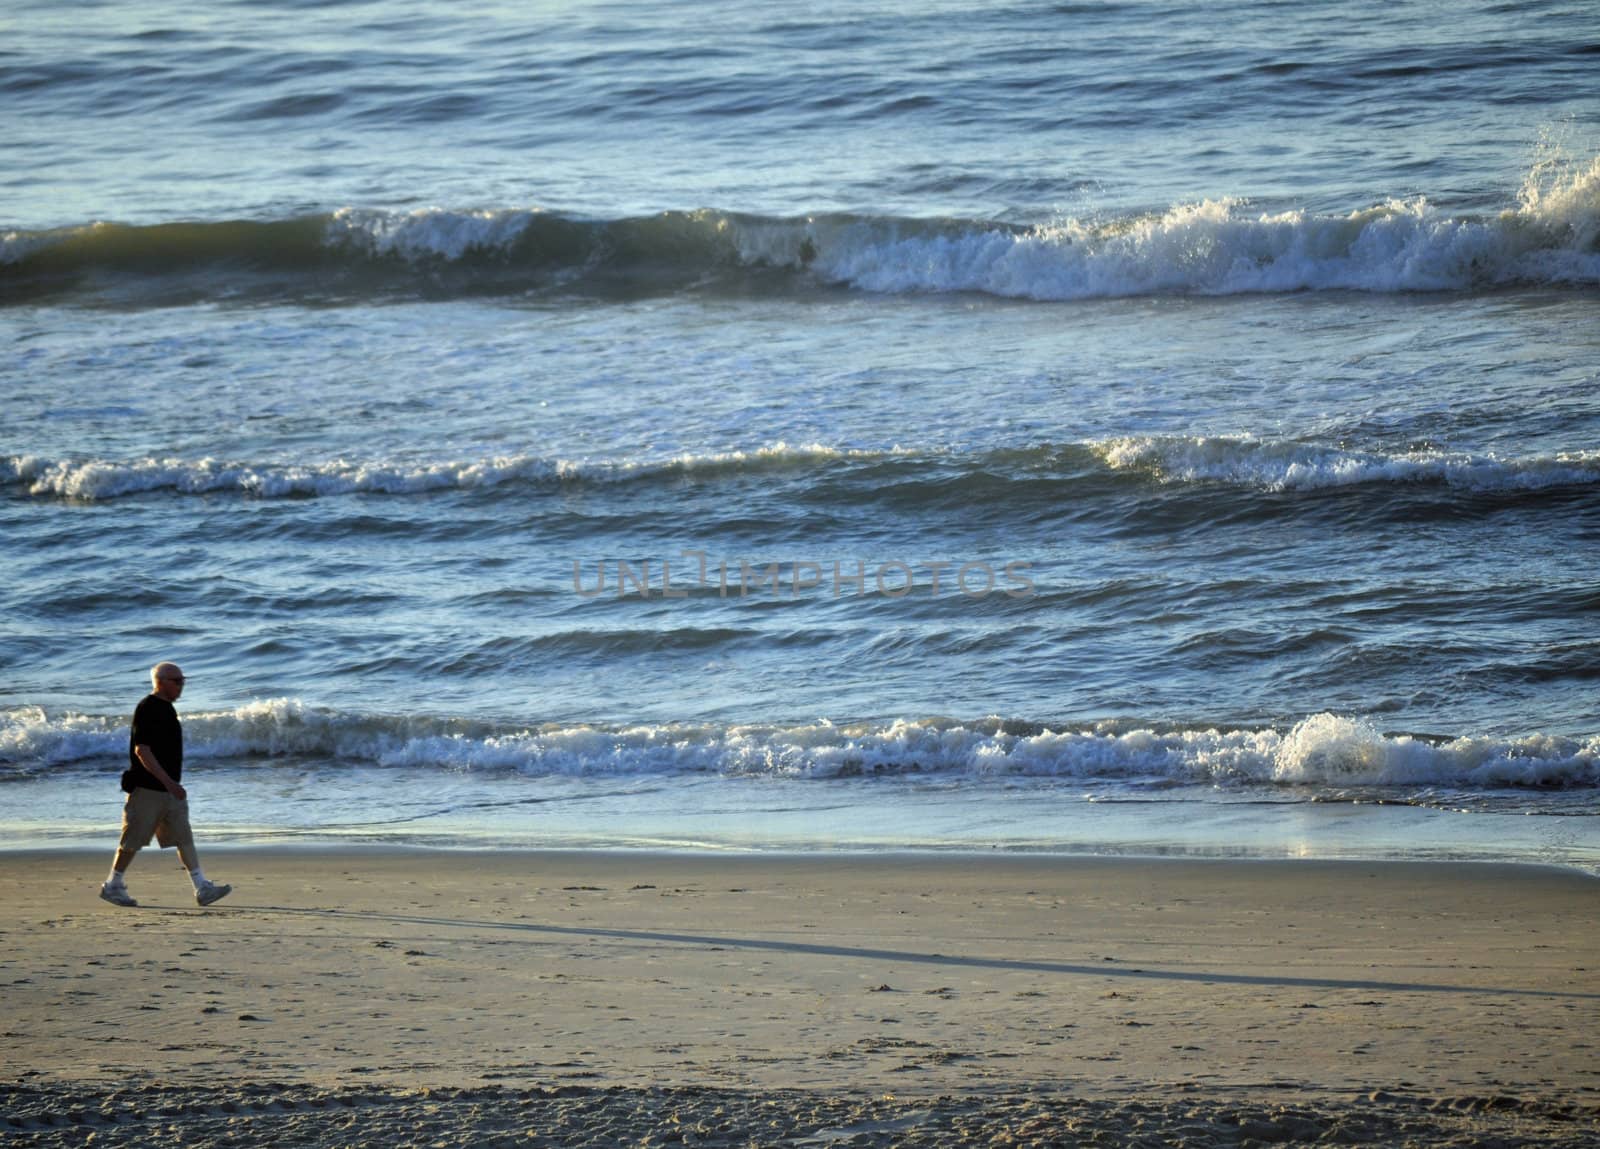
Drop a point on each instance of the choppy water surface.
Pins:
(1044, 426)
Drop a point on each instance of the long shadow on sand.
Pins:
(1103, 969)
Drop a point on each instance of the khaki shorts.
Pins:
(155, 813)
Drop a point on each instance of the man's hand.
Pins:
(147, 756)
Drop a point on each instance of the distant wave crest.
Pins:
(93, 479)
(1285, 465)
(1322, 751)
(1551, 236)
(1046, 471)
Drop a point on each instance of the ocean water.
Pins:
(1076, 427)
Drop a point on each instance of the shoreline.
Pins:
(1143, 993)
(954, 852)
(494, 810)
(1547, 841)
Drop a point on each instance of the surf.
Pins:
(1550, 238)
(1318, 752)
(1038, 475)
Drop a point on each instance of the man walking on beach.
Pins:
(157, 804)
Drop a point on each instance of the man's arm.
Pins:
(147, 759)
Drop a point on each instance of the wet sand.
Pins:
(345, 996)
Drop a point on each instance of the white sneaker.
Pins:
(210, 892)
(117, 895)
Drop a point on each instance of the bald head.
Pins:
(166, 680)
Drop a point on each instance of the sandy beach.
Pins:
(387, 996)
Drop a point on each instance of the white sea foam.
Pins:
(1280, 465)
(1277, 465)
(1324, 751)
(1204, 247)
(1560, 200)
(92, 479)
(427, 233)
(1208, 247)
(106, 479)
(1223, 247)
(32, 739)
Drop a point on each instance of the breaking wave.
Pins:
(106, 479)
(1550, 237)
(1048, 471)
(1280, 465)
(1321, 752)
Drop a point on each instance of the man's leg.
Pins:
(175, 830)
(140, 812)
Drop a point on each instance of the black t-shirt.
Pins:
(156, 725)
